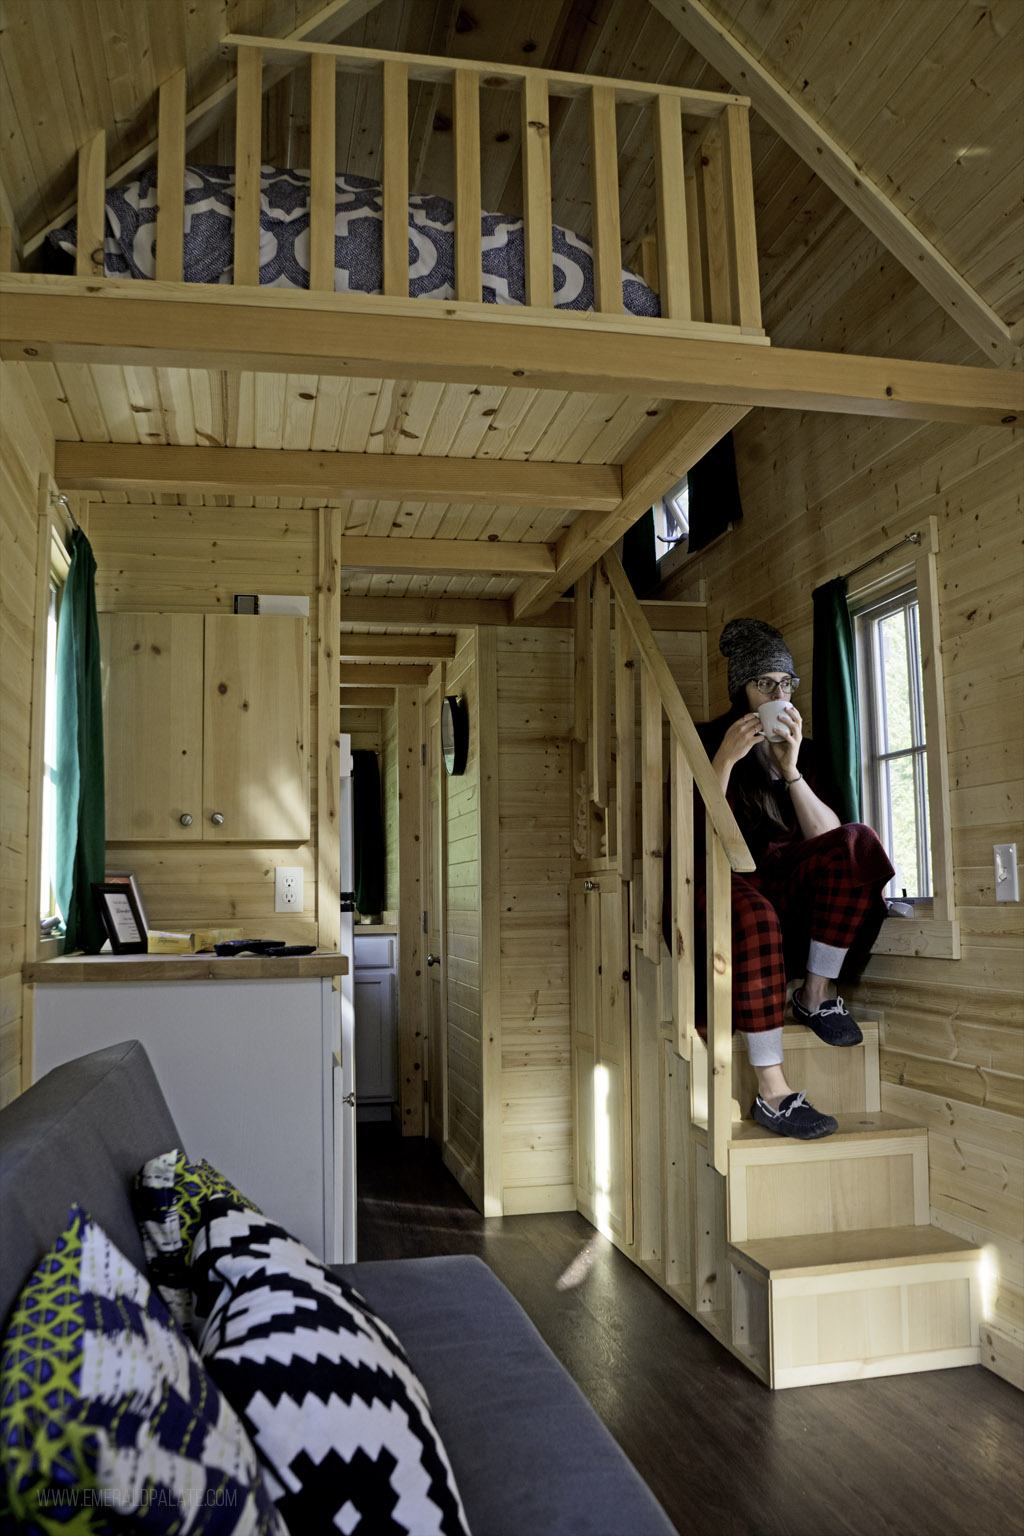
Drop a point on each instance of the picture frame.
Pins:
(119, 903)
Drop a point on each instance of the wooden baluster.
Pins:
(719, 978)
(601, 707)
(625, 742)
(717, 228)
(540, 283)
(695, 254)
(322, 187)
(170, 182)
(682, 901)
(739, 196)
(604, 183)
(248, 123)
(468, 255)
(652, 814)
(673, 244)
(396, 179)
(581, 659)
(92, 171)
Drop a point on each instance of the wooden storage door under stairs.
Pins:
(810, 1261)
(599, 938)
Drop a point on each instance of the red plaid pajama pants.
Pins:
(825, 888)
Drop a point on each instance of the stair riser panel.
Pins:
(811, 1187)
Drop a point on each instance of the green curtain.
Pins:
(714, 500)
(640, 555)
(834, 696)
(367, 833)
(81, 817)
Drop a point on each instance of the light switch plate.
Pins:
(1007, 886)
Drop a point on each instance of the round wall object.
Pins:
(454, 733)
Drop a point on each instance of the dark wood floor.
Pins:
(896, 1456)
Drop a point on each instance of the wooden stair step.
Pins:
(858, 1125)
(812, 1253)
(834, 1306)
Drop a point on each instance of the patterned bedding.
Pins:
(129, 249)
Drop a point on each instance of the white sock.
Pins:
(825, 959)
(764, 1047)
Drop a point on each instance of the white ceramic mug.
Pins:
(769, 715)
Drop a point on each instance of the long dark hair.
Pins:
(751, 783)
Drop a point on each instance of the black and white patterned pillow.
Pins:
(340, 1420)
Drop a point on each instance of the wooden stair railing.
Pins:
(689, 768)
(703, 259)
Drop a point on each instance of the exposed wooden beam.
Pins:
(367, 698)
(681, 437)
(291, 331)
(209, 113)
(473, 555)
(397, 647)
(287, 472)
(463, 612)
(355, 675)
(793, 123)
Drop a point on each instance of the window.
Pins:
(893, 744)
(672, 519)
(894, 603)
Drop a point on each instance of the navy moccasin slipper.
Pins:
(794, 1117)
(831, 1022)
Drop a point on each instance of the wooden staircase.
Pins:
(811, 1261)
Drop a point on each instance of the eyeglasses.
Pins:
(766, 686)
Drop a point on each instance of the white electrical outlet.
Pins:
(287, 888)
(1007, 888)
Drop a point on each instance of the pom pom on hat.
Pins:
(753, 648)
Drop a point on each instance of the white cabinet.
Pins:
(375, 1008)
(253, 1073)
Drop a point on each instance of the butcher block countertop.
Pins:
(108, 968)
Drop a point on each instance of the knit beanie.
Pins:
(753, 648)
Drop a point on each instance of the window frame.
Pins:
(53, 560)
(934, 930)
(876, 752)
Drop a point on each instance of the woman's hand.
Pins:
(739, 739)
(790, 727)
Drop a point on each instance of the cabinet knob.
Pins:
(433, 959)
(591, 885)
(185, 819)
(217, 819)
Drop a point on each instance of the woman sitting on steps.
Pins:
(816, 891)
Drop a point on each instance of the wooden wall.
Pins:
(186, 559)
(463, 945)
(534, 713)
(820, 494)
(26, 453)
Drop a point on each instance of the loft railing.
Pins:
(611, 789)
(701, 255)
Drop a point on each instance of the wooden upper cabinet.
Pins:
(255, 716)
(205, 716)
(152, 665)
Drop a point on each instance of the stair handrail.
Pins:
(726, 851)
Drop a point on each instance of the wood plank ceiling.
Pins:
(926, 97)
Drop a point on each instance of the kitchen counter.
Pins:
(137, 968)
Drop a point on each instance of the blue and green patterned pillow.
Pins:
(108, 1419)
(169, 1200)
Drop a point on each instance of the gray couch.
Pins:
(528, 1452)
